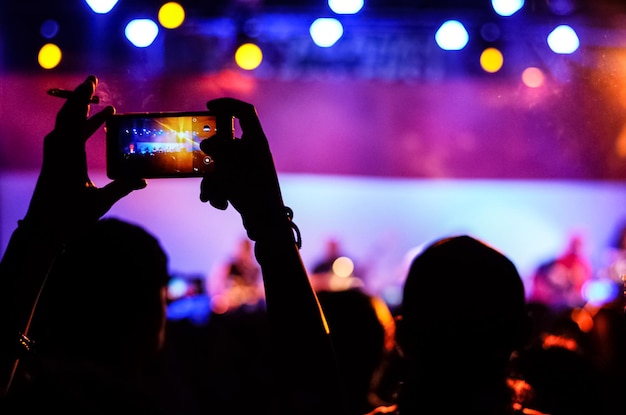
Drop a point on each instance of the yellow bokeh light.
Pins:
(248, 56)
(49, 56)
(171, 15)
(532, 77)
(491, 60)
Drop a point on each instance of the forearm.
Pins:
(23, 270)
(305, 364)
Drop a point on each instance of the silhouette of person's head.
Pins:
(362, 330)
(462, 315)
(104, 300)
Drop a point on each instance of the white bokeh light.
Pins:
(563, 39)
(345, 6)
(325, 32)
(507, 7)
(452, 35)
(141, 32)
(101, 6)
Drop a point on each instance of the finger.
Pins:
(76, 107)
(117, 189)
(213, 192)
(245, 112)
(212, 147)
(95, 122)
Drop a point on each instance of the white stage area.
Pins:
(377, 221)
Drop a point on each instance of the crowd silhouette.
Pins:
(85, 326)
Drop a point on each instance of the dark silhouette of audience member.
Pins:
(461, 318)
(606, 350)
(100, 323)
(574, 361)
(362, 329)
(238, 368)
(100, 354)
(563, 381)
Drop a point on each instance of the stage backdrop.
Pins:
(383, 167)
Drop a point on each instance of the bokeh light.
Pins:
(248, 56)
(507, 7)
(101, 6)
(343, 267)
(49, 56)
(490, 32)
(599, 291)
(141, 32)
(452, 35)
(171, 15)
(563, 39)
(345, 6)
(49, 28)
(325, 32)
(533, 77)
(491, 60)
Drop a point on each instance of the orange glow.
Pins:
(324, 321)
(219, 304)
(386, 320)
(383, 410)
(620, 143)
(529, 411)
(533, 77)
(583, 318)
(552, 340)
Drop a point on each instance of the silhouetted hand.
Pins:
(244, 173)
(65, 200)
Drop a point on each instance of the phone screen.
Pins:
(158, 145)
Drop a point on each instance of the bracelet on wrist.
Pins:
(275, 228)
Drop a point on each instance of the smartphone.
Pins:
(161, 144)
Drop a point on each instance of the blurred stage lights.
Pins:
(345, 6)
(49, 28)
(171, 15)
(49, 56)
(325, 32)
(101, 6)
(507, 8)
(563, 40)
(491, 60)
(533, 77)
(599, 291)
(452, 35)
(248, 56)
(141, 32)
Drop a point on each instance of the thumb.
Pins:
(117, 189)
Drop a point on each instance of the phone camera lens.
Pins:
(206, 128)
(207, 160)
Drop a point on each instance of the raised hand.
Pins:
(244, 173)
(65, 200)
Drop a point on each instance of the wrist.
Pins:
(274, 228)
(33, 230)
